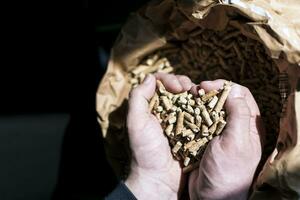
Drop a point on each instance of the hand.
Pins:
(154, 173)
(228, 165)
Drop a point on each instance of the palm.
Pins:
(151, 144)
(158, 160)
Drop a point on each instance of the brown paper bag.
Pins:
(275, 23)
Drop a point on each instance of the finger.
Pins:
(138, 99)
(212, 85)
(170, 81)
(185, 82)
(236, 91)
(141, 121)
(238, 121)
(138, 109)
(255, 121)
(208, 86)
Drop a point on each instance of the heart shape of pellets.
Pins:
(190, 122)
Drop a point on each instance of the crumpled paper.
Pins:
(275, 23)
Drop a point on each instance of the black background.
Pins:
(54, 55)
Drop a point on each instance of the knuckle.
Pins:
(184, 78)
(167, 78)
(172, 77)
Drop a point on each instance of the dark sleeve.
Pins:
(121, 192)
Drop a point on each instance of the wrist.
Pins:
(147, 185)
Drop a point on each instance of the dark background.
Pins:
(53, 57)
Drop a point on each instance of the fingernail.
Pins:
(147, 80)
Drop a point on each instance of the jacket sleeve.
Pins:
(121, 192)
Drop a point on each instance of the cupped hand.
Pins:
(154, 173)
(228, 165)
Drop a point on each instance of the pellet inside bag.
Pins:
(253, 43)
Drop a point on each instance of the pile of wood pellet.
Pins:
(227, 54)
(189, 121)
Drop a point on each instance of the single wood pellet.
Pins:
(180, 117)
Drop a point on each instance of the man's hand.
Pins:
(230, 160)
(154, 173)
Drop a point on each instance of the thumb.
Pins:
(138, 100)
(239, 115)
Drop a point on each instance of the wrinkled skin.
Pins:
(229, 162)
